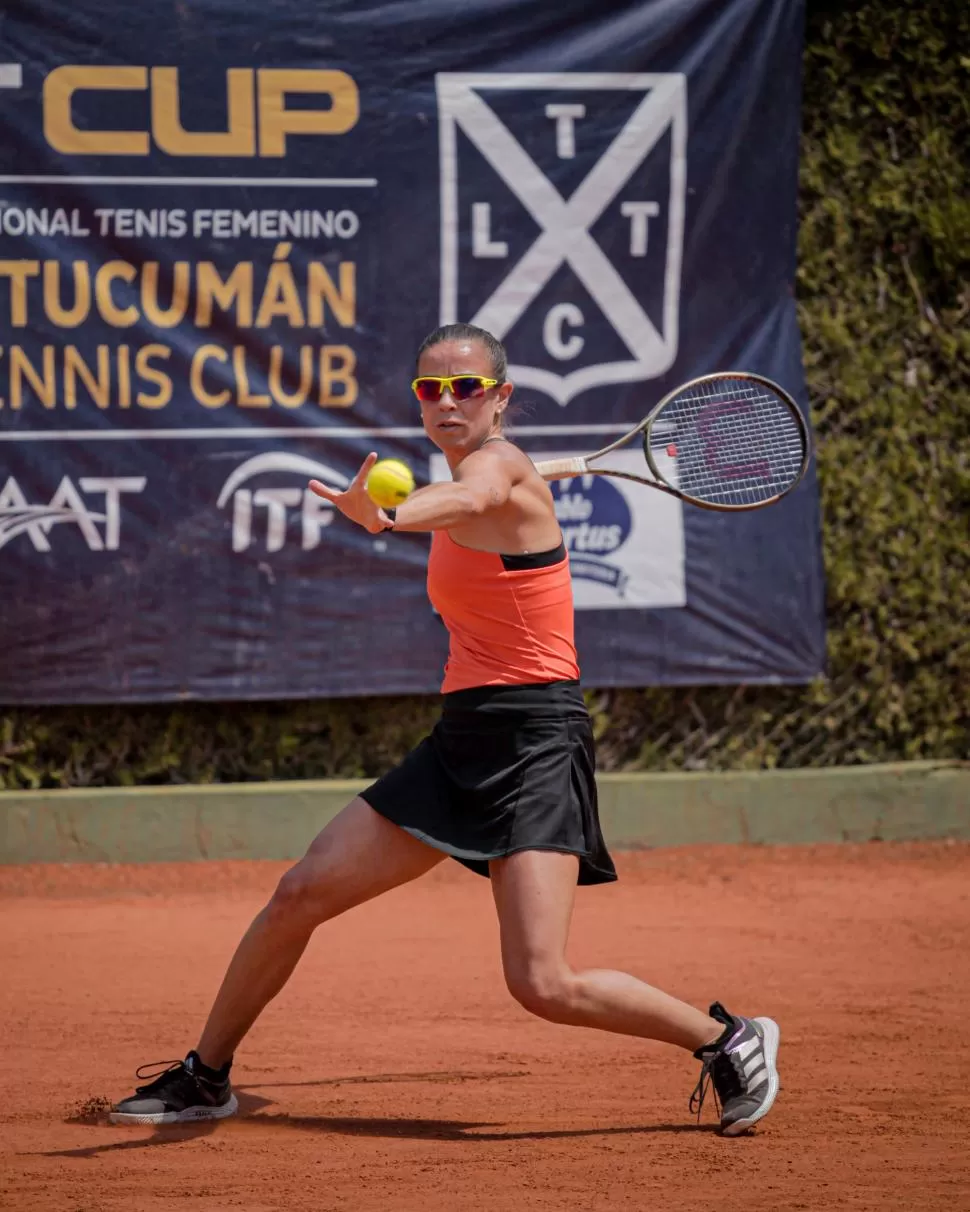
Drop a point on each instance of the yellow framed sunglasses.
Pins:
(430, 388)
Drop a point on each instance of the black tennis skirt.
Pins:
(505, 769)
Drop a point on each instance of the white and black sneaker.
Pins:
(741, 1065)
(182, 1092)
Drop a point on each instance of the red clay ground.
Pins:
(395, 1073)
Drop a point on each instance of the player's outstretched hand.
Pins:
(354, 503)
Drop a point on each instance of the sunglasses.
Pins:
(430, 388)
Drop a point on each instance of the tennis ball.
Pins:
(389, 483)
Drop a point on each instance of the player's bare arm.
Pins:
(483, 481)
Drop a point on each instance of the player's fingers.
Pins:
(364, 471)
(328, 494)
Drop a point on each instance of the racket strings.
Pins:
(733, 442)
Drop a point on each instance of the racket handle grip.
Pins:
(561, 469)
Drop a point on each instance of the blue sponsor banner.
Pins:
(224, 230)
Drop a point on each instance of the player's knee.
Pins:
(543, 988)
(298, 898)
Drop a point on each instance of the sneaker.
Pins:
(741, 1065)
(183, 1092)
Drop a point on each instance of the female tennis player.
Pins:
(504, 783)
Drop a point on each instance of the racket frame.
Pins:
(576, 465)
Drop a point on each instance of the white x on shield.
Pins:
(565, 224)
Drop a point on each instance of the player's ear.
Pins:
(504, 391)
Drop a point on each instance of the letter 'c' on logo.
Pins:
(559, 317)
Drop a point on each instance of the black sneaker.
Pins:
(741, 1064)
(183, 1092)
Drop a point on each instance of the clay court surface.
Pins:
(395, 1073)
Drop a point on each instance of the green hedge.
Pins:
(885, 312)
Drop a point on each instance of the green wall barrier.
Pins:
(913, 801)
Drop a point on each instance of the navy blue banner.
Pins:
(224, 230)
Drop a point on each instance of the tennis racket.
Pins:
(728, 442)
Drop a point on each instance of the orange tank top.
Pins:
(509, 618)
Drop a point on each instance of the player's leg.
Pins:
(356, 857)
(534, 893)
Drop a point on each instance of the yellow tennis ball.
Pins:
(389, 483)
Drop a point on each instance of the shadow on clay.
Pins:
(452, 1130)
(95, 1114)
(447, 1077)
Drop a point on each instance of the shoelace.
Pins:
(704, 1082)
(719, 1075)
(145, 1073)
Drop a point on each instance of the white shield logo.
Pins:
(565, 224)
